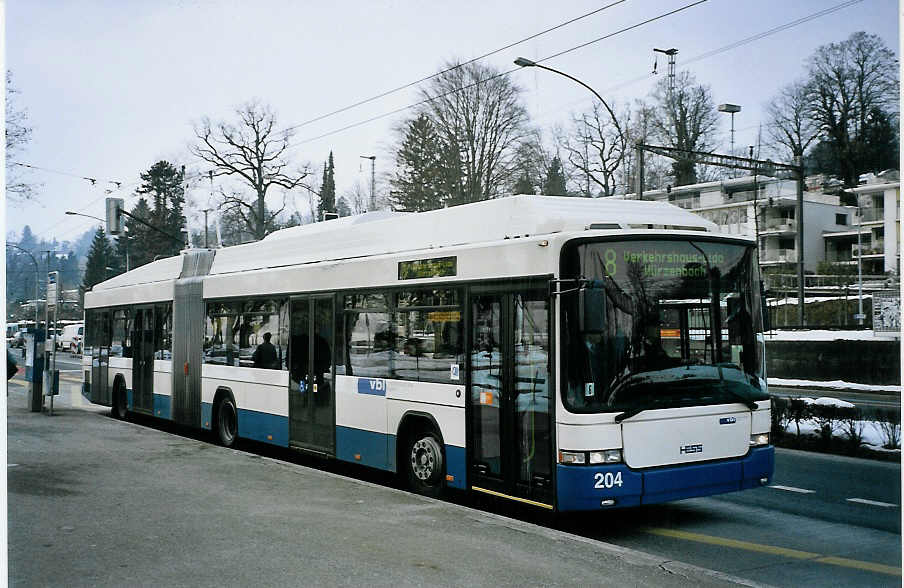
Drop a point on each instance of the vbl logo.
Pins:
(373, 386)
(694, 448)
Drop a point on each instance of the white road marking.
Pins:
(872, 502)
(793, 489)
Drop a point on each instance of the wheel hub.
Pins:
(424, 458)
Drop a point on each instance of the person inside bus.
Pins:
(265, 355)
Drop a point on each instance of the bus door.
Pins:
(509, 397)
(100, 358)
(143, 359)
(312, 397)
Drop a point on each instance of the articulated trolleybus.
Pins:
(567, 353)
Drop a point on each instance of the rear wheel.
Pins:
(227, 422)
(425, 463)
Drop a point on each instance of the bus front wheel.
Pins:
(227, 422)
(425, 464)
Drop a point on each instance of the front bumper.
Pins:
(585, 487)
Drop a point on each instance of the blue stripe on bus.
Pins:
(206, 415)
(129, 398)
(371, 448)
(583, 487)
(264, 427)
(163, 406)
(455, 466)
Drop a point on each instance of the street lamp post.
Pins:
(34, 261)
(124, 235)
(524, 62)
(732, 109)
(373, 182)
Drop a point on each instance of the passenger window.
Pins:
(121, 346)
(369, 337)
(163, 331)
(221, 334)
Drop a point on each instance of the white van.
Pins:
(71, 338)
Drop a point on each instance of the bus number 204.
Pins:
(607, 480)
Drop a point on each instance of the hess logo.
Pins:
(692, 448)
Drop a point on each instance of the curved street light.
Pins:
(124, 235)
(34, 261)
(524, 62)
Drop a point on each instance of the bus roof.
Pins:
(479, 222)
(381, 232)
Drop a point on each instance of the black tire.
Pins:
(227, 422)
(425, 463)
(120, 403)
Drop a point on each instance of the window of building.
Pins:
(786, 243)
(841, 219)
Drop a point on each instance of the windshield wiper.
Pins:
(629, 413)
(752, 405)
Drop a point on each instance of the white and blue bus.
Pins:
(568, 353)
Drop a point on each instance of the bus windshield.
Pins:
(677, 325)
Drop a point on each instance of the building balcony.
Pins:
(779, 256)
(780, 225)
(868, 249)
(869, 215)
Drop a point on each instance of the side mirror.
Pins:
(592, 309)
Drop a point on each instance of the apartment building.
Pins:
(878, 226)
(766, 207)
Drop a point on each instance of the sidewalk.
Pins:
(94, 501)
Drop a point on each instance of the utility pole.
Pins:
(638, 180)
(798, 161)
(373, 181)
(671, 53)
(206, 210)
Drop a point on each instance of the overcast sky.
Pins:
(112, 87)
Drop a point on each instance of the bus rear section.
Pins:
(663, 383)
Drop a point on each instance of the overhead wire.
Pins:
(494, 76)
(456, 66)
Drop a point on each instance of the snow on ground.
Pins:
(826, 401)
(872, 433)
(827, 335)
(812, 300)
(832, 384)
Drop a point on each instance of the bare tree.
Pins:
(788, 119)
(657, 169)
(480, 119)
(848, 81)
(357, 197)
(253, 154)
(685, 117)
(597, 145)
(18, 134)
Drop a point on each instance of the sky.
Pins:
(111, 87)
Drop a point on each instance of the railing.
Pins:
(871, 214)
(781, 224)
(876, 248)
(783, 255)
(744, 195)
(788, 282)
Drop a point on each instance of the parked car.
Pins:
(71, 338)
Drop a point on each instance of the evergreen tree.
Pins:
(418, 182)
(100, 257)
(327, 190)
(163, 184)
(342, 207)
(523, 185)
(140, 243)
(555, 179)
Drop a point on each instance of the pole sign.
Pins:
(887, 311)
(53, 288)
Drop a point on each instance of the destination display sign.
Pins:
(437, 267)
(663, 259)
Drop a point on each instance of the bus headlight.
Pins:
(572, 457)
(759, 439)
(606, 456)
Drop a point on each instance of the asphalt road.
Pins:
(826, 520)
